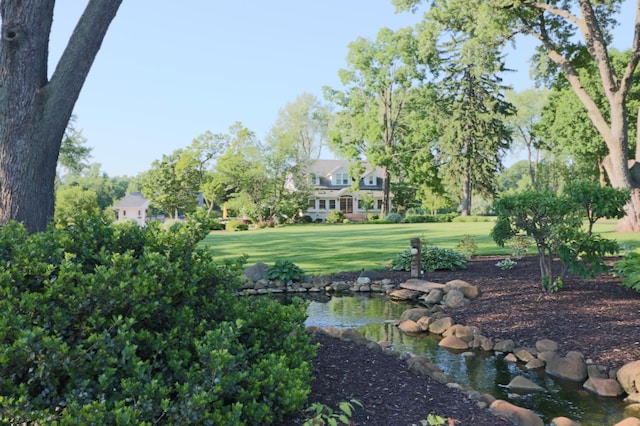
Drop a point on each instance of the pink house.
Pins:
(133, 207)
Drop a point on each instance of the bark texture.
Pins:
(35, 110)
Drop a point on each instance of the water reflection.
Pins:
(372, 316)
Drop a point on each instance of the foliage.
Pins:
(435, 420)
(236, 225)
(555, 224)
(118, 324)
(467, 246)
(72, 201)
(336, 216)
(393, 218)
(433, 259)
(597, 201)
(629, 269)
(472, 218)
(324, 415)
(507, 263)
(74, 153)
(286, 271)
(519, 245)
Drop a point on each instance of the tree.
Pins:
(35, 110)
(529, 105)
(372, 120)
(556, 24)
(72, 201)
(169, 191)
(74, 154)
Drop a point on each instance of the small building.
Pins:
(133, 207)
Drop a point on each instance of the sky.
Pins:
(169, 71)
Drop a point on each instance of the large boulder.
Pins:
(454, 299)
(453, 342)
(414, 314)
(440, 325)
(604, 387)
(469, 291)
(516, 415)
(629, 377)
(571, 367)
(256, 272)
(522, 384)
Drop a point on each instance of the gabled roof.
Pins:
(328, 167)
(132, 201)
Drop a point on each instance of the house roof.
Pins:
(133, 200)
(328, 167)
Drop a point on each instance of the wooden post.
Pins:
(416, 258)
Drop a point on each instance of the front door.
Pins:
(346, 204)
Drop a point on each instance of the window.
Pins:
(314, 179)
(359, 204)
(342, 179)
(312, 203)
(379, 204)
(124, 212)
(322, 204)
(332, 204)
(139, 213)
(370, 180)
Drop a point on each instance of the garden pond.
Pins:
(486, 372)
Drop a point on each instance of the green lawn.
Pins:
(325, 249)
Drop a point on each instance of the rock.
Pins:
(410, 326)
(404, 294)
(629, 421)
(424, 323)
(434, 297)
(481, 342)
(563, 421)
(571, 367)
(256, 272)
(440, 325)
(372, 275)
(629, 377)
(516, 415)
(511, 358)
(340, 286)
(469, 291)
(453, 342)
(454, 299)
(632, 410)
(547, 355)
(535, 363)
(546, 345)
(524, 355)
(603, 387)
(414, 314)
(597, 371)
(633, 398)
(354, 336)
(504, 345)
(363, 280)
(422, 366)
(421, 285)
(321, 280)
(523, 384)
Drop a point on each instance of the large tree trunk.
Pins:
(34, 112)
(386, 192)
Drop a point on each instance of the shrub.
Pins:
(236, 225)
(286, 271)
(519, 245)
(306, 219)
(433, 259)
(507, 263)
(474, 218)
(415, 218)
(372, 216)
(393, 218)
(467, 246)
(336, 216)
(117, 324)
(629, 269)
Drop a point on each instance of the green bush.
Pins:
(433, 259)
(372, 217)
(467, 246)
(474, 218)
(336, 216)
(285, 271)
(117, 324)
(629, 269)
(393, 218)
(415, 218)
(236, 225)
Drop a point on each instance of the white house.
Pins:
(332, 190)
(133, 207)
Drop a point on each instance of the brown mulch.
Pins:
(597, 317)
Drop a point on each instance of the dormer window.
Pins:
(370, 180)
(342, 179)
(314, 179)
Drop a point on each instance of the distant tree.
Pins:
(167, 190)
(73, 200)
(529, 105)
(371, 121)
(35, 109)
(108, 190)
(74, 153)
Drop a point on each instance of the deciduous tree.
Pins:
(35, 109)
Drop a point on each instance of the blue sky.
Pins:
(169, 71)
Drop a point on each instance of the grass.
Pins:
(327, 249)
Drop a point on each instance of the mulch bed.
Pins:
(597, 317)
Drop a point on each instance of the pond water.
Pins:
(485, 372)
